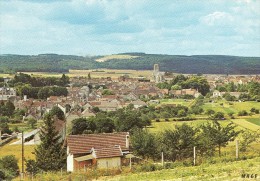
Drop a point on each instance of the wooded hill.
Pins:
(204, 64)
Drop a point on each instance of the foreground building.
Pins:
(105, 150)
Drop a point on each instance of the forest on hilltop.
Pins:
(204, 64)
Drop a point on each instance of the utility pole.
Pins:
(22, 174)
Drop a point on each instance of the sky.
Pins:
(102, 27)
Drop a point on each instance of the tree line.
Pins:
(178, 143)
(39, 87)
(182, 82)
(210, 64)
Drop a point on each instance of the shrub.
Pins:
(9, 167)
(31, 166)
(148, 167)
(169, 165)
(242, 113)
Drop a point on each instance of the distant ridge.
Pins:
(193, 64)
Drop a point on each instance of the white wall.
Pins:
(70, 161)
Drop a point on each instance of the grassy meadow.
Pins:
(16, 150)
(229, 107)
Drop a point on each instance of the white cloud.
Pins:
(113, 26)
(217, 18)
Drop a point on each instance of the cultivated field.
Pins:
(115, 57)
(95, 73)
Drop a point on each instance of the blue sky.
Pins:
(99, 27)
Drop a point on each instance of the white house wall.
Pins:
(70, 161)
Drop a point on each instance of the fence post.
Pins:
(162, 159)
(237, 150)
(130, 161)
(194, 155)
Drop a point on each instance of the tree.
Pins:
(107, 92)
(9, 109)
(5, 128)
(144, 143)
(64, 80)
(81, 125)
(218, 116)
(44, 93)
(104, 125)
(56, 111)
(178, 143)
(248, 138)
(31, 122)
(219, 135)
(89, 76)
(50, 154)
(126, 121)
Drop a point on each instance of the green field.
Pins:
(176, 101)
(163, 125)
(234, 107)
(254, 120)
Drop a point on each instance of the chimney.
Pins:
(127, 141)
(25, 97)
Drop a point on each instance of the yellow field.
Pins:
(95, 73)
(16, 150)
(98, 73)
(110, 57)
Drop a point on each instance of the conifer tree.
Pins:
(50, 154)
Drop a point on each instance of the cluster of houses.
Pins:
(105, 150)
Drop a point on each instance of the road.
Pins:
(26, 135)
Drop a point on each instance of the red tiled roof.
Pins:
(108, 152)
(84, 143)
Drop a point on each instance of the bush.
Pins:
(8, 167)
(31, 166)
(148, 167)
(242, 113)
(169, 165)
(157, 120)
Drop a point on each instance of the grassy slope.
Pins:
(220, 171)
